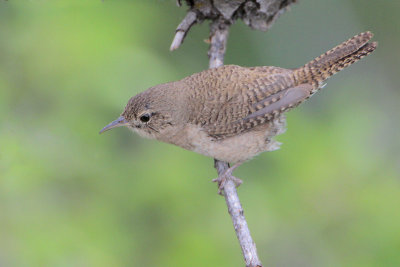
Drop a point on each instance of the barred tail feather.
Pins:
(321, 68)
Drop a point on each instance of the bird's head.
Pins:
(149, 113)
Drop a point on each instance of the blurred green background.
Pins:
(70, 197)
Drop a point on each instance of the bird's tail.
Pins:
(321, 68)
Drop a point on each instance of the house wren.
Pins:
(232, 113)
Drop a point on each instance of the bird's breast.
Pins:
(234, 149)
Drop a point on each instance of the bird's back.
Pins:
(222, 96)
(229, 100)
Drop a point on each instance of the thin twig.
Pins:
(182, 29)
(235, 209)
(216, 52)
(218, 39)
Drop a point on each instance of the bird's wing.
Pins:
(254, 97)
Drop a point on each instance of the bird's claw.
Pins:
(223, 178)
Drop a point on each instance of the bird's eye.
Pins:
(145, 117)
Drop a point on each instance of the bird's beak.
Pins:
(117, 123)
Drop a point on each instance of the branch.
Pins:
(216, 52)
(260, 15)
(218, 40)
(182, 30)
(235, 209)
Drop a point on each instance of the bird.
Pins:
(232, 113)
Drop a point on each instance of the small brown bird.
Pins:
(232, 113)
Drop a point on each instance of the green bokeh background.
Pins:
(70, 197)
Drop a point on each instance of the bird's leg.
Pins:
(227, 175)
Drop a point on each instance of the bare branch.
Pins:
(218, 39)
(235, 209)
(216, 52)
(259, 14)
(182, 29)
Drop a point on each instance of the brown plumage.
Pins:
(232, 113)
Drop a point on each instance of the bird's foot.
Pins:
(224, 177)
